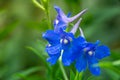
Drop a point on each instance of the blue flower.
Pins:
(66, 46)
(59, 43)
(89, 54)
(62, 20)
(62, 44)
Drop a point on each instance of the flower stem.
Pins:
(63, 70)
(45, 7)
(38, 4)
(48, 16)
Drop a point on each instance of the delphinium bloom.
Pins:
(71, 49)
(59, 41)
(89, 54)
(61, 44)
(62, 20)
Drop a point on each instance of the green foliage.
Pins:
(22, 49)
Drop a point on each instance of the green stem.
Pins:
(63, 70)
(48, 17)
(44, 5)
(38, 4)
(76, 76)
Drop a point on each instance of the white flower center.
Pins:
(65, 41)
(90, 53)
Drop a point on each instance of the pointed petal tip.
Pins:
(57, 8)
(76, 26)
(83, 11)
(77, 16)
(86, 9)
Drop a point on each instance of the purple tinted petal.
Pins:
(102, 51)
(76, 16)
(75, 27)
(59, 24)
(60, 12)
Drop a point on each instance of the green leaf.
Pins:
(78, 76)
(72, 75)
(110, 65)
(25, 73)
(39, 55)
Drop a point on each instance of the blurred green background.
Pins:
(22, 49)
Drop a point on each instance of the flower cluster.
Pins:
(71, 49)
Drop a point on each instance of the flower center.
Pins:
(65, 41)
(90, 53)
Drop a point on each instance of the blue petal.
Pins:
(102, 51)
(66, 35)
(90, 46)
(53, 59)
(52, 37)
(80, 40)
(69, 55)
(58, 23)
(66, 57)
(70, 49)
(81, 63)
(53, 50)
(93, 66)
